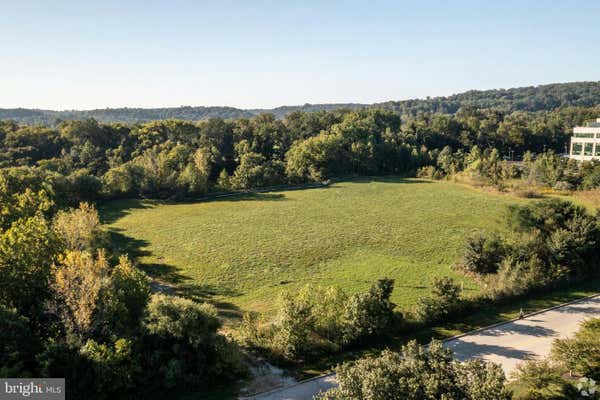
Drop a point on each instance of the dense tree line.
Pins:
(85, 160)
(532, 98)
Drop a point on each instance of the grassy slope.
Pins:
(243, 251)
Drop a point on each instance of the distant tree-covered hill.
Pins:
(531, 98)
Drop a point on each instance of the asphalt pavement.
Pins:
(507, 344)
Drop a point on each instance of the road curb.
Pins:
(471, 332)
(279, 389)
(516, 319)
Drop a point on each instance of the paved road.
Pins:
(511, 343)
(506, 344)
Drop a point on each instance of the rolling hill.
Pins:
(531, 98)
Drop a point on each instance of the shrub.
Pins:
(528, 194)
(321, 320)
(540, 380)
(445, 299)
(414, 373)
(171, 317)
(563, 186)
(483, 253)
(181, 347)
(581, 353)
(369, 314)
(429, 172)
(294, 325)
(115, 367)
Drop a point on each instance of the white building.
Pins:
(585, 142)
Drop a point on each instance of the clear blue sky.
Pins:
(96, 54)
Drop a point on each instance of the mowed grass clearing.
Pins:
(243, 251)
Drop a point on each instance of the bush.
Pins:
(483, 253)
(115, 367)
(181, 347)
(414, 373)
(369, 314)
(581, 353)
(528, 194)
(429, 172)
(540, 380)
(563, 186)
(445, 299)
(294, 327)
(322, 320)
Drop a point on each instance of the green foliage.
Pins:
(483, 253)
(181, 346)
(532, 98)
(17, 343)
(318, 158)
(115, 368)
(581, 353)
(540, 380)
(322, 320)
(294, 325)
(179, 319)
(445, 299)
(124, 300)
(369, 314)
(27, 250)
(253, 171)
(20, 200)
(553, 241)
(547, 169)
(545, 216)
(416, 374)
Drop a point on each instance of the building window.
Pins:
(577, 148)
(597, 149)
(584, 135)
(588, 149)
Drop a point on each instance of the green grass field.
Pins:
(241, 252)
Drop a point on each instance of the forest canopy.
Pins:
(531, 98)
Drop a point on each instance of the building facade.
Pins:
(585, 142)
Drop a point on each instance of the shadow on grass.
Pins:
(169, 279)
(112, 210)
(384, 179)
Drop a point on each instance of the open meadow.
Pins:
(241, 252)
